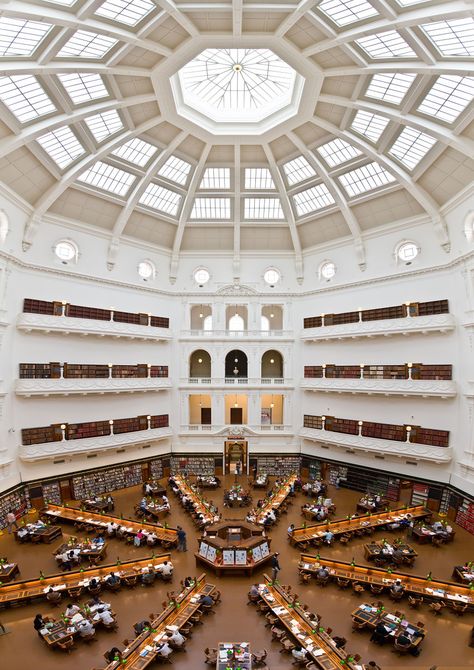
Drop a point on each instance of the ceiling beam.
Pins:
(237, 16)
(299, 11)
(237, 215)
(461, 67)
(182, 19)
(59, 67)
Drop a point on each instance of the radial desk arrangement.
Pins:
(201, 505)
(276, 500)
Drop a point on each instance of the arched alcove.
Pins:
(200, 364)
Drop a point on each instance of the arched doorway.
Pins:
(236, 365)
(200, 364)
(272, 365)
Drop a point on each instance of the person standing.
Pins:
(11, 521)
(181, 539)
(275, 566)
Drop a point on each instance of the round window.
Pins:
(271, 276)
(201, 276)
(146, 270)
(66, 251)
(407, 252)
(328, 270)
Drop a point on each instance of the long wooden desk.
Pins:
(188, 601)
(463, 574)
(167, 536)
(306, 534)
(30, 589)
(201, 505)
(8, 571)
(425, 535)
(319, 644)
(371, 616)
(431, 589)
(45, 535)
(275, 501)
(87, 551)
(374, 551)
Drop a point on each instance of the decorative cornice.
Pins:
(405, 387)
(50, 450)
(229, 335)
(383, 328)
(46, 387)
(383, 447)
(66, 324)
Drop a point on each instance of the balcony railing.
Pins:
(252, 428)
(235, 381)
(236, 334)
(403, 387)
(81, 386)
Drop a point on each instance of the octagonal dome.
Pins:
(237, 90)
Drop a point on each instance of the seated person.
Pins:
(328, 537)
(380, 633)
(104, 615)
(206, 600)
(151, 539)
(113, 655)
(71, 610)
(85, 628)
(176, 639)
(22, 534)
(148, 577)
(299, 653)
(254, 590)
(166, 569)
(267, 522)
(53, 596)
(139, 537)
(143, 504)
(403, 640)
(188, 581)
(111, 528)
(397, 587)
(39, 623)
(140, 626)
(112, 579)
(163, 649)
(94, 584)
(323, 573)
(148, 489)
(340, 641)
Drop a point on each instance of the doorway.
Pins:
(236, 415)
(235, 452)
(206, 418)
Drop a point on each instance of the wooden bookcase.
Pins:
(41, 435)
(17, 501)
(310, 421)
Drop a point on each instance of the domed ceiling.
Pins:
(236, 126)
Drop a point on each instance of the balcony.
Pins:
(93, 445)
(243, 335)
(405, 387)
(47, 387)
(46, 323)
(380, 447)
(246, 382)
(235, 430)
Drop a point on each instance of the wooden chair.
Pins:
(216, 597)
(398, 595)
(357, 588)
(343, 583)
(401, 649)
(259, 657)
(131, 580)
(437, 541)
(252, 600)
(287, 645)
(437, 607)
(305, 577)
(414, 603)
(357, 626)
(458, 608)
(66, 645)
(74, 592)
(376, 589)
(211, 656)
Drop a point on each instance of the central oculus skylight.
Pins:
(237, 89)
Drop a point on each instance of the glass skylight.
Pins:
(343, 12)
(448, 97)
(84, 44)
(263, 209)
(298, 170)
(66, 3)
(108, 178)
(216, 178)
(386, 45)
(312, 199)
(62, 145)
(258, 179)
(104, 124)
(211, 208)
(129, 12)
(175, 170)
(365, 178)
(237, 85)
(136, 151)
(370, 125)
(19, 37)
(83, 86)
(24, 97)
(411, 146)
(337, 151)
(162, 199)
(408, 3)
(390, 86)
(452, 38)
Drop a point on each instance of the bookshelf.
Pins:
(81, 431)
(130, 425)
(465, 516)
(342, 371)
(41, 435)
(85, 371)
(156, 469)
(278, 466)
(384, 431)
(97, 482)
(40, 370)
(52, 492)
(33, 306)
(380, 313)
(431, 436)
(310, 421)
(17, 500)
(159, 421)
(313, 371)
(193, 465)
(159, 371)
(89, 371)
(336, 425)
(419, 371)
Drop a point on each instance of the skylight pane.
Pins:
(66, 3)
(129, 12)
(365, 178)
(24, 97)
(407, 3)
(263, 209)
(258, 179)
(136, 151)
(62, 145)
(337, 151)
(298, 170)
(108, 178)
(161, 199)
(448, 97)
(370, 125)
(312, 199)
(82, 87)
(386, 45)
(411, 146)
(343, 12)
(104, 124)
(84, 44)
(175, 170)
(211, 208)
(216, 178)
(19, 37)
(452, 38)
(390, 86)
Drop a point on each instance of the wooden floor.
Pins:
(445, 645)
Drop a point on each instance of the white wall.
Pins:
(435, 274)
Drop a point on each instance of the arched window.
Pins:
(207, 322)
(236, 322)
(264, 324)
(4, 226)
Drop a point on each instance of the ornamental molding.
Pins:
(374, 445)
(405, 387)
(66, 324)
(50, 450)
(44, 387)
(386, 327)
(236, 290)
